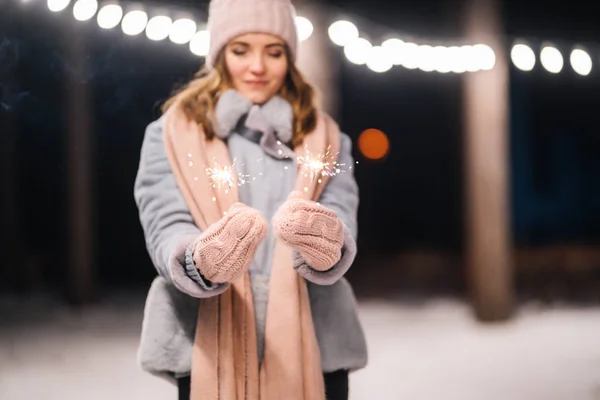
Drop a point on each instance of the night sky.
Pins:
(411, 199)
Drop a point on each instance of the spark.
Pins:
(225, 176)
(317, 165)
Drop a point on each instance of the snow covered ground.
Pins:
(428, 351)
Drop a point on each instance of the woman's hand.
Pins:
(313, 230)
(226, 249)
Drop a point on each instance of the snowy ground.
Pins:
(430, 351)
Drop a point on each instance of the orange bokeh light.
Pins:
(373, 144)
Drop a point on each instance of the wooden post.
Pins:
(81, 277)
(315, 58)
(486, 170)
(10, 216)
(10, 220)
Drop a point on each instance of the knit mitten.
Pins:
(313, 230)
(227, 247)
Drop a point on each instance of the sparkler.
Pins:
(317, 165)
(312, 166)
(225, 176)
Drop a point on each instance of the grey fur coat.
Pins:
(255, 137)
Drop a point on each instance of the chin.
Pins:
(257, 98)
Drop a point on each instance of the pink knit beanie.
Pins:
(230, 18)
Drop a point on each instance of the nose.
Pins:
(257, 65)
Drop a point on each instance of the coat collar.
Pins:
(272, 118)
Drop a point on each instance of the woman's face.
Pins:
(257, 64)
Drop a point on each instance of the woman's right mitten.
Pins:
(227, 247)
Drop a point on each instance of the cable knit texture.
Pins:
(227, 247)
(312, 229)
(194, 273)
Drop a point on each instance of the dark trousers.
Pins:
(336, 386)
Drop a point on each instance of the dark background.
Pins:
(410, 202)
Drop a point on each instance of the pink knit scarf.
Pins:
(225, 360)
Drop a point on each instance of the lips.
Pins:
(256, 83)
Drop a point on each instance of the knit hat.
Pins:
(230, 18)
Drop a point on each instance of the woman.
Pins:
(250, 244)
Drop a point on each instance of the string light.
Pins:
(581, 62)
(182, 31)
(357, 51)
(305, 28)
(134, 22)
(109, 16)
(57, 5)
(158, 28)
(84, 10)
(552, 59)
(343, 32)
(523, 57)
(397, 52)
(379, 58)
(200, 43)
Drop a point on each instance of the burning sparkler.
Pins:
(225, 176)
(316, 165)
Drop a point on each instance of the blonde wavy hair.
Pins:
(199, 97)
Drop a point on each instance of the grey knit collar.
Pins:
(274, 118)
